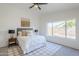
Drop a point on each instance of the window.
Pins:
(59, 29)
(71, 29)
(66, 29)
(49, 27)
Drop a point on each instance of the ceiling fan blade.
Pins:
(40, 3)
(39, 7)
(32, 6)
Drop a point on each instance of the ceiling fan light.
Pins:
(36, 6)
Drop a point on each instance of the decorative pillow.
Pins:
(24, 33)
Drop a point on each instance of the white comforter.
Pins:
(30, 43)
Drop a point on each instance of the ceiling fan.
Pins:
(37, 5)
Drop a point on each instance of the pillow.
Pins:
(30, 33)
(19, 33)
(24, 33)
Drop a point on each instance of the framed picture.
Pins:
(25, 22)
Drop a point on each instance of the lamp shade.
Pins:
(11, 31)
(36, 30)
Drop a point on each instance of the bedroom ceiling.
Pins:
(54, 7)
(50, 7)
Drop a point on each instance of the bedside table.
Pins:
(12, 41)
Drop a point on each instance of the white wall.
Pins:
(59, 16)
(10, 17)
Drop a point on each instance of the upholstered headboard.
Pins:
(21, 29)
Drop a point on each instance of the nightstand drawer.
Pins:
(12, 41)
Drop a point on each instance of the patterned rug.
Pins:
(14, 51)
(48, 50)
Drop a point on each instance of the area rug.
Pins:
(48, 50)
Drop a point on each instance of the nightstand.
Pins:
(12, 41)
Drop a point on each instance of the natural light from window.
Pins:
(65, 29)
(49, 31)
(59, 29)
(71, 29)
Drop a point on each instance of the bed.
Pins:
(31, 42)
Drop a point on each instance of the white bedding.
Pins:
(30, 43)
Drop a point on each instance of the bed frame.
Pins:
(20, 29)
